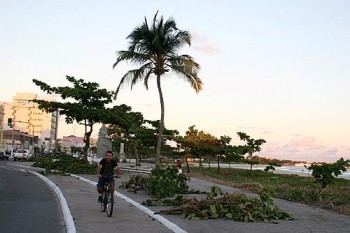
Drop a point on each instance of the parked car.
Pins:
(4, 156)
(21, 154)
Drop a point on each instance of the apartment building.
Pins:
(27, 117)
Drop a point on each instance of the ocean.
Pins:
(300, 169)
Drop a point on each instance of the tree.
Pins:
(228, 152)
(252, 146)
(198, 144)
(135, 131)
(324, 173)
(84, 103)
(154, 47)
(124, 124)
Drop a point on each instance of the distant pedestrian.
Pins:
(178, 166)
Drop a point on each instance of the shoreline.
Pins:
(288, 170)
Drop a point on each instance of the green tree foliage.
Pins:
(84, 103)
(272, 166)
(198, 143)
(138, 134)
(163, 182)
(154, 47)
(324, 173)
(251, 146)
(227, 152)
(232, 153)
(237, 207)
(64, 164)
(166, 182)
(125, 124)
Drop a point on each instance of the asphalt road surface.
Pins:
(27, 204)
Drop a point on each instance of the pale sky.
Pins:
(274, 69)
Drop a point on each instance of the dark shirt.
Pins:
(108, 167)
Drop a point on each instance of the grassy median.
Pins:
(291, 187)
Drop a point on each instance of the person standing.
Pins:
(178, 166)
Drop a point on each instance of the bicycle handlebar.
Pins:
(114, 176)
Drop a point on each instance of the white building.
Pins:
(27, 117)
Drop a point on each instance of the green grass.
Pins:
(335, 197)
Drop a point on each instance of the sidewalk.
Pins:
(81, 198)
(82, 201)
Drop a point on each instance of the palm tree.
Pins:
(154, 48)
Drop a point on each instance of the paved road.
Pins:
(81, 197)
(27, 204)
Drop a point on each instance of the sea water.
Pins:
(300, 169)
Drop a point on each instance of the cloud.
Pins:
(267, 132)
(202, 44)
(304, 142)
(305, 149)
(206, 48)
(331, 151)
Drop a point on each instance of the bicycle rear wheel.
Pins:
(110, 203)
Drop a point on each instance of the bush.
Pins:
(166, 182)
(65, 164)
(163, 182)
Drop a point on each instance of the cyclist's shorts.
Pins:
(102, 180)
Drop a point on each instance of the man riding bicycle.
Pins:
(106, 170)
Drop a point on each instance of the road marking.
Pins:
(65, 209)
(172, 226)
(68, 218)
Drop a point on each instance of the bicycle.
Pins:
(107, 199)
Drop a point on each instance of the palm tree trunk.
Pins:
(161, 123)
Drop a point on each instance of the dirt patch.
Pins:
(253, 187)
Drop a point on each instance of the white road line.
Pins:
(172, 226)
(68, 218)
(65, 209)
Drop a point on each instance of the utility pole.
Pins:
(32, 141)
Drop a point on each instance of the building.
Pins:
(73, 141)
(28, 118)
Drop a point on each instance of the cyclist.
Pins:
(106, 170)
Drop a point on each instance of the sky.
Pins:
(274, 69)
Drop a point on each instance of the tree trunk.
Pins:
(161, 123)
(187, 165)
(86, 140)
(136, 155)
(218, 164)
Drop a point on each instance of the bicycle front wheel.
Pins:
(104, 201)
(110, 204)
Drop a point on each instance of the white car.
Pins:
(21, 154)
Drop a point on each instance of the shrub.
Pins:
(324, 173)
(166, 182)
(65, 164)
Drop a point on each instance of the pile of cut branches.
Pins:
(236, 207)
(135, 183)
(163, 182)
